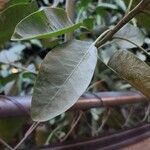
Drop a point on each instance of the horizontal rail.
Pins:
(20, 105)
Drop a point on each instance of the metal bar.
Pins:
(20, 105)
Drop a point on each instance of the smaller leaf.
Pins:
(102, 5)
(49, 22)
(11, 55)
(10, 126)
(11, 16)
(132, 69)
(88, 23)
(130, 33)
(4, 4)
(143, 18)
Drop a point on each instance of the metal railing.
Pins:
(20, 105)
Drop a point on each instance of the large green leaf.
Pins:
(132, 69)
(130, 33)
(44, 23)
(11, 16)
(64, 75)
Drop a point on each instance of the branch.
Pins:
(138, 9)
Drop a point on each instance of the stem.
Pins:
(122, 22)
(129, 6)
(141, 48)
(73, 126)
(6, 145)
(33, 126)
(104, 120)
(94, 84)
(53, 132)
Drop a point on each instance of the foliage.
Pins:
(66, 68)
(64, 75)
(9, 18)
(49, 22)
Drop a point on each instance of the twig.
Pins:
(129, 6)
(141, 48)
(21, 67)
(73, 126)
(4, 143)
(122, 22)
(94, 84)
(147, 113)
(33, 126)
(86, 121)
(131, 110)
(104, 120)
(53, 132)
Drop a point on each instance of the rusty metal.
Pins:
(111, 141)
(20, 106)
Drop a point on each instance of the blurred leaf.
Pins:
(41, 135)
(11, 55)
(11, 77)
(45, 23)
(144, 17)
(120, 4)
(83, 3)
(88, 23)
(28, 75)
(2, 4)
(7, 3)
(116, 119)
(96, 113)
(102, 5)
(132, 69)
(131, 33)
(144, 20)
(9, 127)
(107, 52)
(63, 77)
(11, 16)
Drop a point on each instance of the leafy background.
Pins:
(97, 17)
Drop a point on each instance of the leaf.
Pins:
(88, 23)
(7, 3)
(143, 18)
(11, 16)
(49, 22)
(102, 5)
(130, 33)
(9, 127)
(11, 55)
(116, 120)
(132, 69)
(9, 78)
(64, 75)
